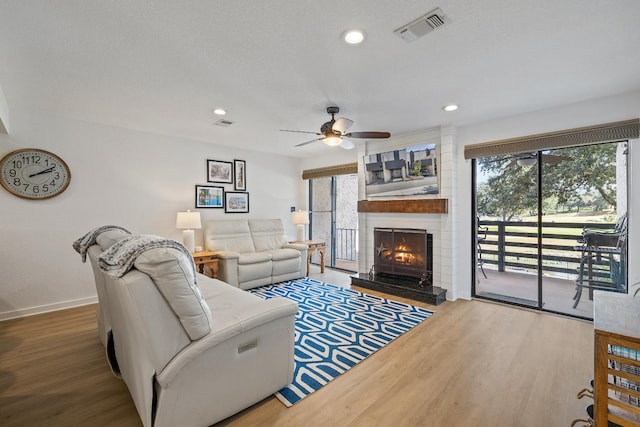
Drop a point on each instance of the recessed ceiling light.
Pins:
(353, 37)
(450, 107)
(219, 111)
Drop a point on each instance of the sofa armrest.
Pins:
(251, 316)
(227, 254)
(297, 246)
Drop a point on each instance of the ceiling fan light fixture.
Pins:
(332, 140)
(450, 107)
(527, 161)
(353, 37)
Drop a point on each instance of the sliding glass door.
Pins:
(334, 219)
(532, 212)
(507, 243)
(583, 188)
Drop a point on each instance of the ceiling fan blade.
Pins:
(300, 131)
(346, 144)
(308, 142)
(554, 160)
(341, 125)
(372, 135)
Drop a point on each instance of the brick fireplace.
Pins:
(436, 214)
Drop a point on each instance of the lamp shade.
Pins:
(188, 220)
(300, 217)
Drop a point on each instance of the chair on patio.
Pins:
(481, 236)
(602, 260)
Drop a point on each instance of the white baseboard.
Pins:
(14, 314)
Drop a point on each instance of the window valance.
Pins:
(345, 169)
(608, 132)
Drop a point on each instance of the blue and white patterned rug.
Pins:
(335, 329)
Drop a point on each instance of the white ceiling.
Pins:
(163, 66)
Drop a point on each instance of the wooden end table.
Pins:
(207, 258)
(314, 245)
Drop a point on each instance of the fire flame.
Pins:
(403, 257)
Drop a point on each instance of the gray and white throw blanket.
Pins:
(83, 244)
(118, 259)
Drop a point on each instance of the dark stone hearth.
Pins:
(405, 287)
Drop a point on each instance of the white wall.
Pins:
(118, 176)
(594, 112)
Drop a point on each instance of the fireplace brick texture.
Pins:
(442, 226)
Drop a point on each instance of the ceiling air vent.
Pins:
(423, 25)
(223, 123)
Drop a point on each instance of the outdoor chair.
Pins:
(603, 259)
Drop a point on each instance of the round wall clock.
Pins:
(34, 174)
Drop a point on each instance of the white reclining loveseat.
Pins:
(254, 252)
(191, 349)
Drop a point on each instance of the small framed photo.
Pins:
(209, 196)
(240, 175)
(219, 171)
(236, 202)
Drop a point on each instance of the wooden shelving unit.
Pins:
(616, 359)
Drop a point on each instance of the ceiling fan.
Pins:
(334, 132)
(530, 159)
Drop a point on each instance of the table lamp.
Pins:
(187, 221)
(300, 218)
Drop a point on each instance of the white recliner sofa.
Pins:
(191, 353)
(254, 252)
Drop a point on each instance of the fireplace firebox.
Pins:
(404, 252)
(403, 265)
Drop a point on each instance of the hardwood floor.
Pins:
(471, 364)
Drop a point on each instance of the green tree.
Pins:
(568, 174)
(591, 167)
(507, 195)
(508, 191)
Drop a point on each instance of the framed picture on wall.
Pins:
(240, 175)
(209, 196)
(219, 171)
(236, 202)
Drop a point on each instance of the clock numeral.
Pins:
(16, 182)
(35, 189)
(17, 164)
(12, 173)
(45, 188)
(29, 160)
(56, 175)
(26, 187)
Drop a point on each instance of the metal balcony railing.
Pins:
(514, 245)
(346, 244)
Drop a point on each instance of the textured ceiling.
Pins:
(163, 66)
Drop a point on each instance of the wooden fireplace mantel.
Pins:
(435, 206)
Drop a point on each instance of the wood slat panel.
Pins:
(435, 206)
